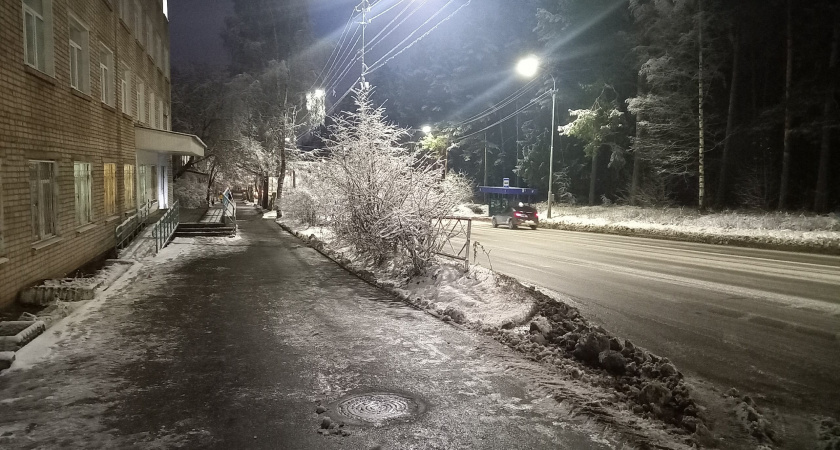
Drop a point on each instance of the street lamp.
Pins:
(426, 129)
(528, 67)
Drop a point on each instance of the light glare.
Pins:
(528, 66)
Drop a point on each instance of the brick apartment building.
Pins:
(84, 140)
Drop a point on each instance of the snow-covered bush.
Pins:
(383, 199)
(301, 205)
(190, 193)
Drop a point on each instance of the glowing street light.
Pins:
(426, 129)
(528, 67)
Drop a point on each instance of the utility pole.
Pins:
(551, 148)
(365, 6)
(485, 164)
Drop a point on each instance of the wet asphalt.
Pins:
(234, 343)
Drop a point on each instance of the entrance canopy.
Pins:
(161, 141)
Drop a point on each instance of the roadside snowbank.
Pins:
(776, 230)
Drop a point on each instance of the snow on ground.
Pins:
(760, 228)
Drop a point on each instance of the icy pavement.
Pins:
(236, 343)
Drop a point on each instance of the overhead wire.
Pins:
(508, 117)
(335, 51)
(382, 61)
(497, 106)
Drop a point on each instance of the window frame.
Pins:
(129, 193)
(43, 230)
(42, 39)
(109, 189)
(81, 74)
(83, 190)
(141, 101)
(125, 90)
(106, 75)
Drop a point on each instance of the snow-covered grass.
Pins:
(768, 229)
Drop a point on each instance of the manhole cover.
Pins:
(378, 407)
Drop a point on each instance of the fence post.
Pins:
(469, 234)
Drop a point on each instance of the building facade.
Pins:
(83, 130)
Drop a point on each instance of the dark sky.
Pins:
(194, 27)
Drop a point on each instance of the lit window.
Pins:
(82, 182)
(153, 184)
(125, 90)
(37, 34)
(42, 193)
(110, 189)
(128, 187)
(160, 122)
(79, 55)
(142, 184)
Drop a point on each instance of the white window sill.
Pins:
(84, 228)
(3, 261)
(40, 245)
(111, 219)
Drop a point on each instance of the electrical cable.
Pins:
(508, 117)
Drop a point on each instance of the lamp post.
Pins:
(528, 67)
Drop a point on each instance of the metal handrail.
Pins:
(165, 228)
(131, 226)
(228, 208)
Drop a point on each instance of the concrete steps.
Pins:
(204, 229)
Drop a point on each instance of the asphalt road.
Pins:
(764, 322)
(234, 343)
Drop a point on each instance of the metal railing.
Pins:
(229, 208)
(166, 226)
(454, 238)
(131, 227)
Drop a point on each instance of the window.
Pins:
(153, 184)
(42, 193)
(82, 178)
(158, 52)
(142, 184)
(138, 21)
(37, 34)
(152, 114)
(166, 123)
(128, 187)
(106, 76)
(141, 102)
(125, 90)
(125, 11)
(149, 36)
(110, 189)
(166, 62)
(79, 55)
(160, 123)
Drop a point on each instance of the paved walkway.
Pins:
(232, 343)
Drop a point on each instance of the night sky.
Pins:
(195, 27)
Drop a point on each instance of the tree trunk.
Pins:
(821, 198)
(637, 148)
(264, 199)
(593, 177)
(730, 124)
(701, 160)
(783, 187)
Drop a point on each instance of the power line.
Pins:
(508, 117)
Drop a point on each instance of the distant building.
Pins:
(84, 140)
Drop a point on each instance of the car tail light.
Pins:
(519, 214)
(536, 216)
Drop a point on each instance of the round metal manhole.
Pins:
(376, 408)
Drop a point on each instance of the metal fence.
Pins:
(166, 226)
(131, 227)
(454, 238)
